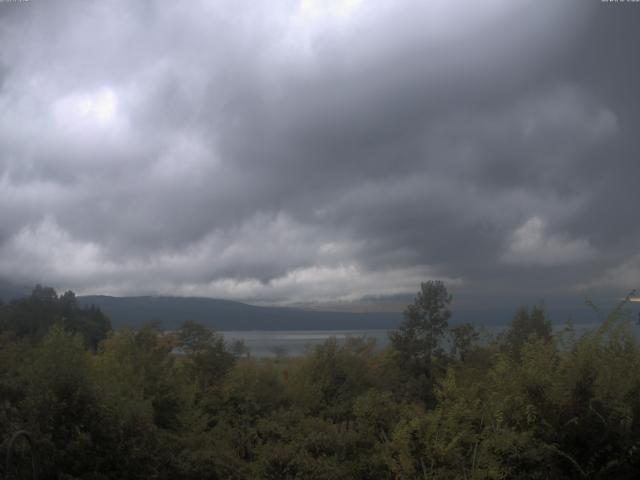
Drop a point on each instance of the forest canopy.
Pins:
(439, 402)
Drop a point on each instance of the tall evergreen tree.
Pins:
(417, 342)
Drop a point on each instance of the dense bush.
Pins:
(119, 405)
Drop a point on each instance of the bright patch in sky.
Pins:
(533, 244)
(99, 107)
(314, 9)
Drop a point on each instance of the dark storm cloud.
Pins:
(308, 150)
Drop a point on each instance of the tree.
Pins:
(33, 316)
(208, 358)
(90, 322)
(332, 376)
(526, 326)
(61, 404)
(417, 341)
(239, 349)
(194, 337)
(463, 338)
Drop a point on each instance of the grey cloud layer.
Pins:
(302, 151)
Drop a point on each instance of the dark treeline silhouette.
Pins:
(436, 403)
(32, 317)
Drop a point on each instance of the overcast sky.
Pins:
(304, 151)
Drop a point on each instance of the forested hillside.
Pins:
(170, 312)
(437, 403)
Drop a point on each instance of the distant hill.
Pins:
(230, 315)
(9, 291)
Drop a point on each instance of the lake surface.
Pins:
(295, 342)
(267, 343)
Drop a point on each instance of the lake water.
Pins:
(295, 342)
(267, 343)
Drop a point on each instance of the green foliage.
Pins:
(332, 376)
(208, 359)
(526, 325)
(32, 317)
(149, 404)
(463, 340)
(417, 343)
(426, 320)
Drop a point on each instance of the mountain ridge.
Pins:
(223, 314)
